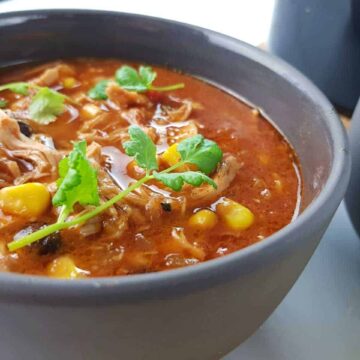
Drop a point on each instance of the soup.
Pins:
(109, 168)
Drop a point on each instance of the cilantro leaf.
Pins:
(21, 88)
(3, 103)
(147, 75)
(78, 180)
(176, 181)
(204, 153)
(130, 79)
(98, 92)
(142, 148)
(46, 105)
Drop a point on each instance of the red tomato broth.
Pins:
(266, 162)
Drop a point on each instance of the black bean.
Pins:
(166, 207)
(25, 129)
(49, 244)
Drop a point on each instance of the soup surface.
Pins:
(154, 227)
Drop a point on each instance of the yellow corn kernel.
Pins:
(90, 110)
(203, 220)
(64, 268)
(27, 200)
(69, 82)
(171, 157)
(234, 215)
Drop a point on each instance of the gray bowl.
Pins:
(199, 312)
(321, 38)
(353, 193)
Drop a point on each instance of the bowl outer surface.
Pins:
(353, 192)
(175, 314)
(325, 29)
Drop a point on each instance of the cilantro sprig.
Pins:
(132, 80)
(21, 88)
(140, 81)
(78, 183)
(45, 105)
(98, 92)
(141, 148)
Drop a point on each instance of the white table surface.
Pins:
(248, 20)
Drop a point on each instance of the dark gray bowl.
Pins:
(353, 193)
(199, 312)
(321, 38)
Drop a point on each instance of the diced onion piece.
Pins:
(278, 184)
(27, 200)
(64, 268)
(234, 215)
(203, 220)
(90, 110)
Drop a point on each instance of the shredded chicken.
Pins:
(175, 134)
(120, 98)
(38, 160)
(181, 241)
(105, 132)
(51, 76)
(149, 200)
(9, 169)
(134, 116)
(180, 114)
(224, 176)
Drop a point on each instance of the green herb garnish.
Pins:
(45, 106)
(78, 183)
(142, 148)
(130, 79)
(176, 181)
(3, 103)
(199, 151)
(98, 92)
(21, 88)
